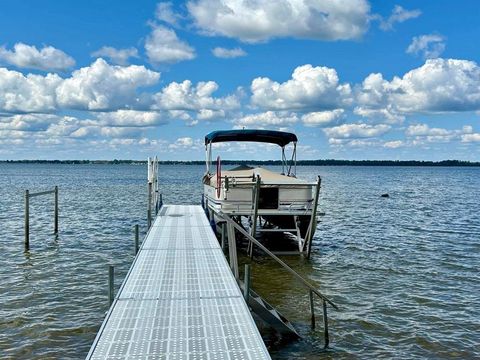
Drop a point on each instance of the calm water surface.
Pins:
(404, 270)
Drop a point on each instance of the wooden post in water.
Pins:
(110, 284)
(55, 228)
(27, 220)
(136, 238)
(312, 310)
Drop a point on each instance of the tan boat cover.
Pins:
(267, 177)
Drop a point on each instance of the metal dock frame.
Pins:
(179, 299)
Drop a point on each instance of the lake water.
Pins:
(403, 270)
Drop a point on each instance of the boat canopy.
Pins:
(267, 136)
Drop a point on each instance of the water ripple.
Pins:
(403, 270)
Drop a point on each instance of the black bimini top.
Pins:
(267, 136)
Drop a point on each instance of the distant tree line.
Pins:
(325, 162)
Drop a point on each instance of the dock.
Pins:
(179, 299)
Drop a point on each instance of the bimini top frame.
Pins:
(280, 138)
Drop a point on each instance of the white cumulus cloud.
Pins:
(185, 143)
(228, 53)
(166, 14)
(310, 88)
(102, 86)
(440, 85)
(117, 56)
(186, 96)
(425, 130)
(268, 118)
(428, 46)
(27, 122)
(164, 46)
(131, 118)
(420, 134)
(394, 144)
(354, 131)
(388, 114)
(209, 114)
(475, 137)
(47, 58)
(322, 118)
(27, 93)
(261, 20)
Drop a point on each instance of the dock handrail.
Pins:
(276, 258)
(231, 225)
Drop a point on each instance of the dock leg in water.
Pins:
(111, 294)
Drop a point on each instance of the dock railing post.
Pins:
(255, 214)
(27, 221)
(55, 229)
(312, 310)
(149, 190)
(223, 226)
(325, 324)
(313, 218)
(246, 282)
(137, 236)
(27, 197)
(149, 208)
(110, 284)
(232, 250)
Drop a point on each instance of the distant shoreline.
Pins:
(326, 162)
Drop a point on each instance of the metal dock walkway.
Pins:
(179, 300)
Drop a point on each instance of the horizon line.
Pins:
(318, 162)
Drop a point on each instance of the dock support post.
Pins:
(55, 229)
(313, 219)
(312, 310)
(255, 215)
(325, 324)
(149, 208)
(27, 221)
(232, 250)
(110, 284)
(136, 238)
(224, 228)
(246, 282)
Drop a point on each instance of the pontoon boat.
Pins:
(271, 202)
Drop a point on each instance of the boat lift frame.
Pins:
(304, 244)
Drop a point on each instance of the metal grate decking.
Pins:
(179, 299)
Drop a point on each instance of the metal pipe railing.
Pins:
(232, 225)
(276, 258)
(29, 195)
(256, 198)
(313, 218)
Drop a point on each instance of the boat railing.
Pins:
(248, 180)
(232, 226)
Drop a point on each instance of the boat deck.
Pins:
(179, 300)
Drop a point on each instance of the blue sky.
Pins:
(355, 79)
